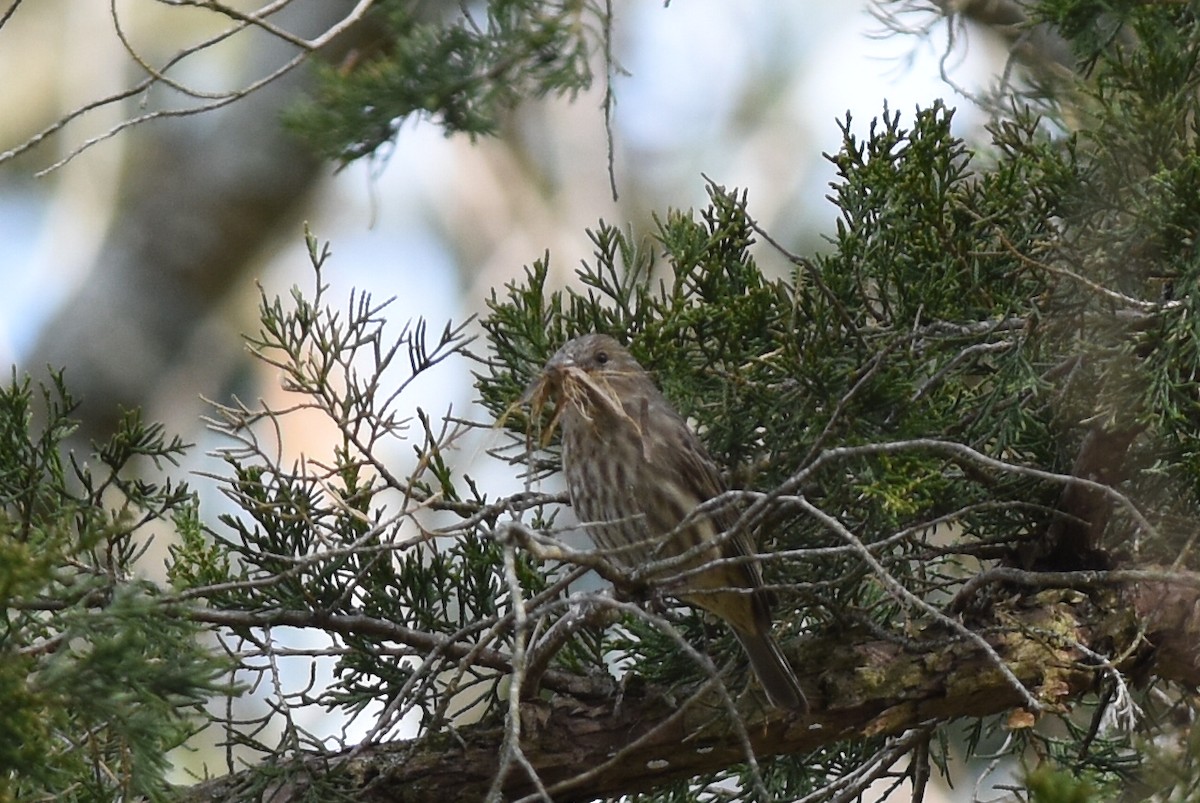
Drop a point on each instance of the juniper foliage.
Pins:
(904, 413)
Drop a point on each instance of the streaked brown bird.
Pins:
(634, 472)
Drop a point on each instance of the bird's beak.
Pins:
(535, 392)
(559, 363)
(553, 372)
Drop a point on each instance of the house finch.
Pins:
(635, 471)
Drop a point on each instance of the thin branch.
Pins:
(257, 19)
(159, 75)
(909, 599)
(510, 750)
(712, 684)
(1110, 294)
(8, 12)
(1077, 580)
(360, 625)
(852, 784)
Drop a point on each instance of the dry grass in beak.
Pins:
(569, 385)
(536, 396)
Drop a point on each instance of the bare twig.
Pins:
(158, 75)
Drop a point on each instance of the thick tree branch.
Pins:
(865, 687)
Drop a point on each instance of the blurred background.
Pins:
(136, 265)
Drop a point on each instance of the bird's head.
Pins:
(586, 377)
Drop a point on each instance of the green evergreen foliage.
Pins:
(1014, 304)
(901, 414)
(867, 344)
(461, 66)
(333, 546)
(1051, 786)
(98, 678)
(921, 324)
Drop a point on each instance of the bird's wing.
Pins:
(677, 466)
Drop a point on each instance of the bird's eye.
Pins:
(601, 357)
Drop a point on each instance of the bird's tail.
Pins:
(773, 671)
